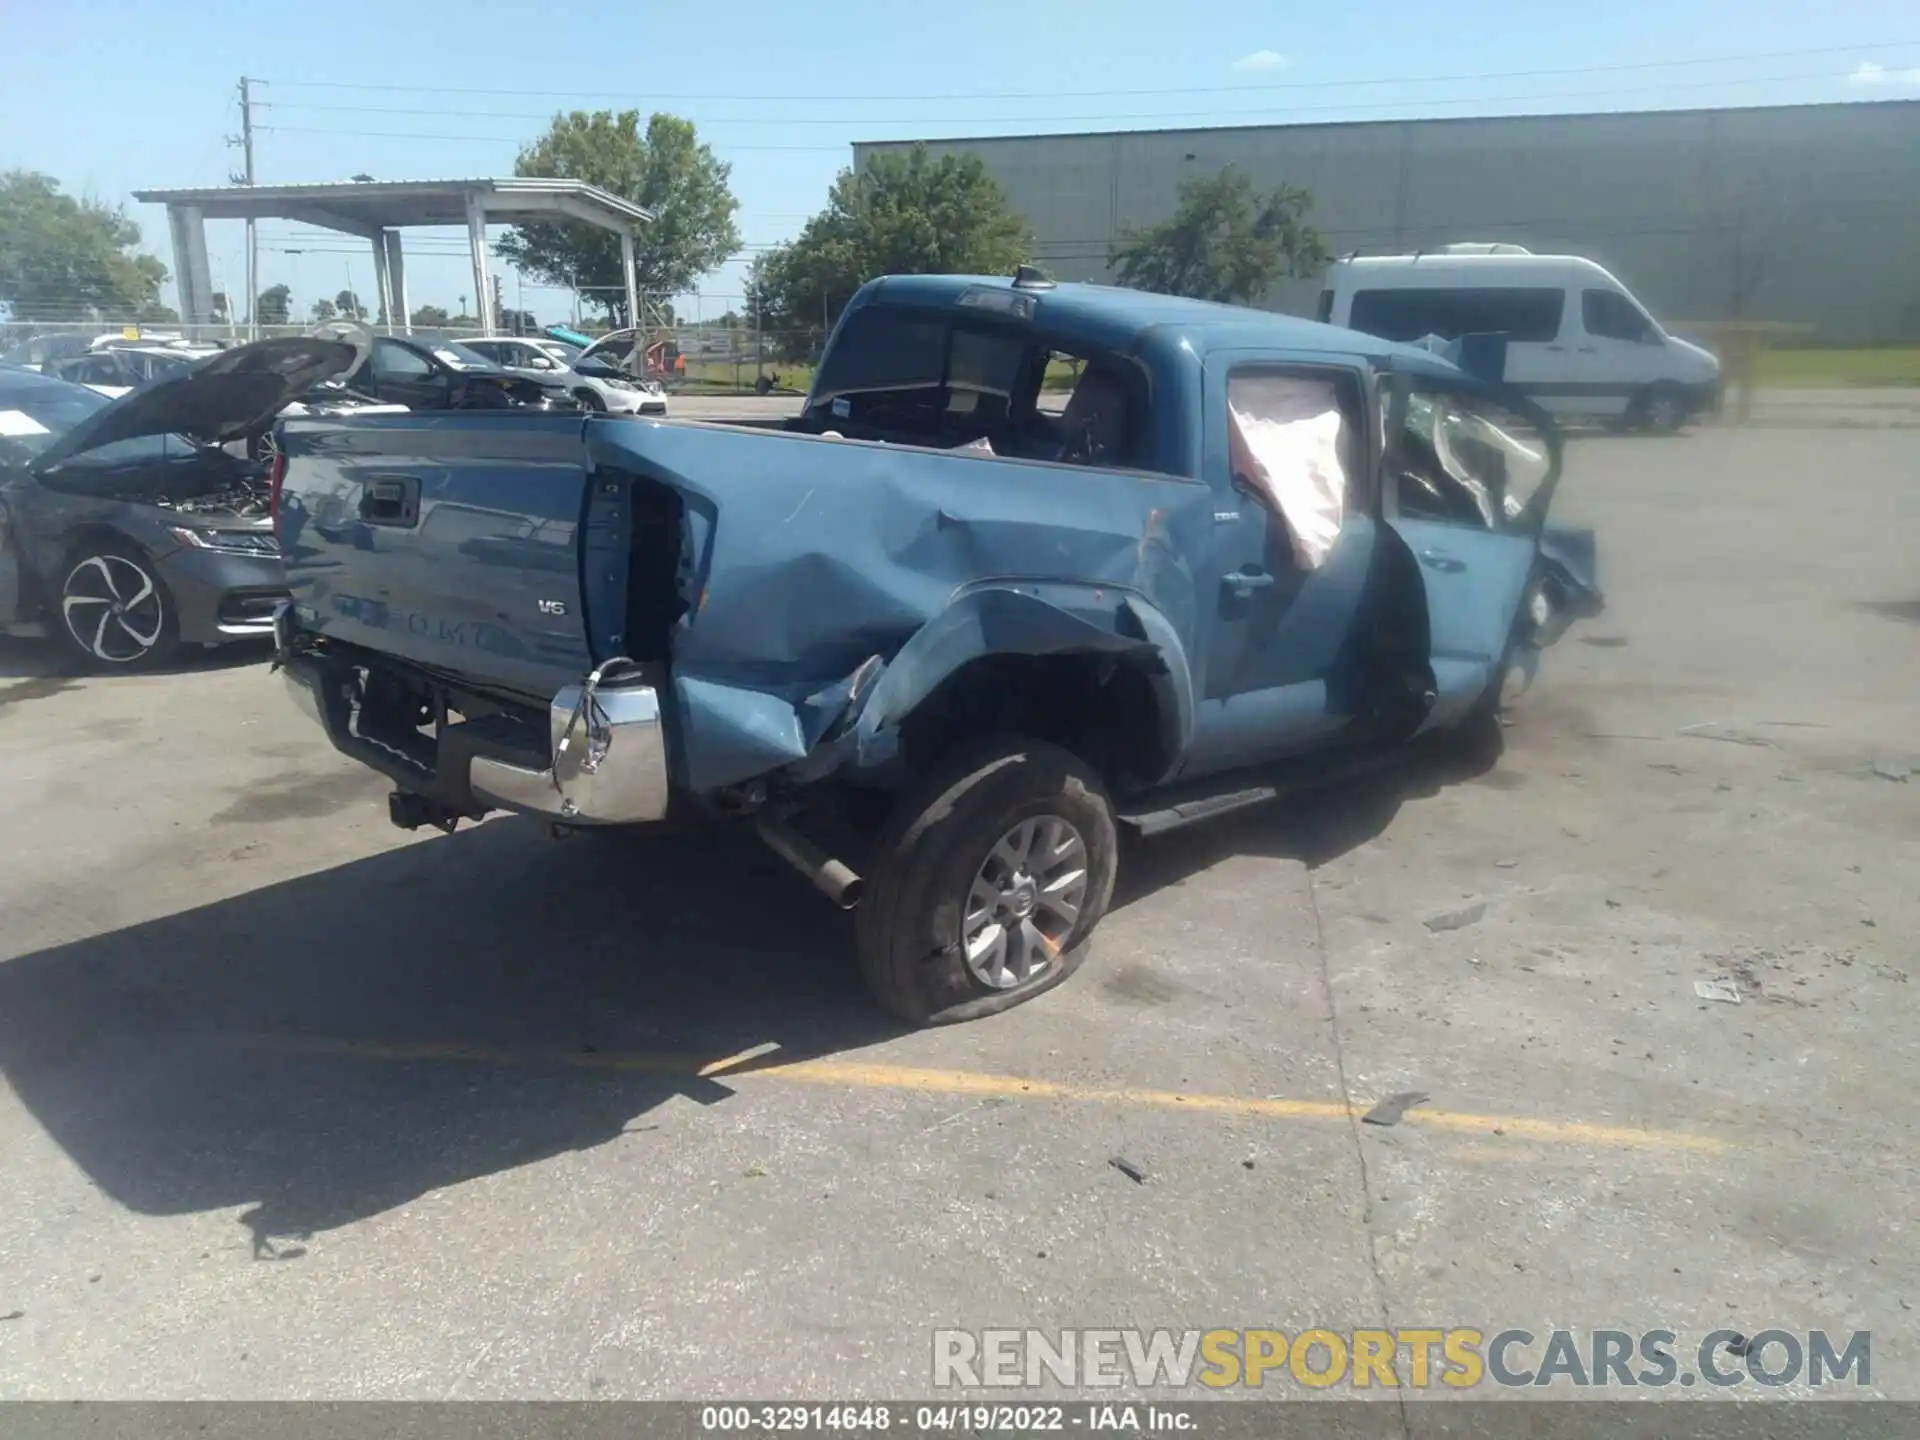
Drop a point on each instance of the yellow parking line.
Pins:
(764, 1062)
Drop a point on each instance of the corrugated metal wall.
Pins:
(1808, 214)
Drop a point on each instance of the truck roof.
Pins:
(1119, 318)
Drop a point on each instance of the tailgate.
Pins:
(447, 540)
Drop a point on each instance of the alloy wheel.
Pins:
(113, 609)
(1024, 902)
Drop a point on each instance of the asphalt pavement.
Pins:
(298, 1106)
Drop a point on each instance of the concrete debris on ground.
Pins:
(1895, 770)
(1127, 1168)
(1456, 919)
(1389, 1110)
(1724, 991)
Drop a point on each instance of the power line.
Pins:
(1084, 94)
(1054, 119)
(500, 139)
(1219, 118)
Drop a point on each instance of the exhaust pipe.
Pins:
(832, 878)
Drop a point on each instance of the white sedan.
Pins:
(596, 385)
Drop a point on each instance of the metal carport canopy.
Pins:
(376, 211)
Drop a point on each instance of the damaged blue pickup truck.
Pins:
(1036, 562)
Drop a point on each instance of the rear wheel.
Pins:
(989, 879)
(115, 613)
(1660, 409)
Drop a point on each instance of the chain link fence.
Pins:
(696, 359)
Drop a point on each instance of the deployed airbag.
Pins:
(1284, 438)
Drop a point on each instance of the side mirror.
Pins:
(542, 362)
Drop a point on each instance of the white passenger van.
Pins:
(1577, 341)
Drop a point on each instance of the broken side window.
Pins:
(1467, 458)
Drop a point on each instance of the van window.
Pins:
(1325, 311)
(1612, 316)
(1521, 315)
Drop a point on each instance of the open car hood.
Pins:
(235, 394)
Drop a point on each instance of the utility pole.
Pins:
(245, 142)
(498, 304)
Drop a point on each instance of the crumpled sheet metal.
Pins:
(816, 555)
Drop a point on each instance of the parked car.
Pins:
(596, 386)
(126, 531)
(1577, 339)
(945, 638)
(114, 370)
(34, 354)
(426, 372)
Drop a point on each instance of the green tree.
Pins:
(903, 214)
(1224, 241)
(274, 306)
(323, 309)
(665, 169)
(347, 305)
(431, 317)
(63, 258)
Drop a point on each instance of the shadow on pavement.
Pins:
(289, 1049)
(208, 1059)
(29, 668)
(1313, 827)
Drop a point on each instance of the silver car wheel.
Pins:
(113, 609)
(1024, 902)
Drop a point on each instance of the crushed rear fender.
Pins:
(733, 734)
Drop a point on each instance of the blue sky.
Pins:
(114, 95)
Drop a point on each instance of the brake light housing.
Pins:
(276, 478)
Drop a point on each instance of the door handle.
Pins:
(1242, 583)
(1441, 561)
(1553, 347)
(1589, 349)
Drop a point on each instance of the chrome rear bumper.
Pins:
(607, 765)
(609, 761)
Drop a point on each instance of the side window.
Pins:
(1293, 445)
(1466, 459)
(396, 362)
(1324, 311)
(1522, 315)
(1612, 316)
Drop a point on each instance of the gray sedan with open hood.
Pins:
(126, 530)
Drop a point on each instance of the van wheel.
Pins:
(1660, 410)
(988, 879)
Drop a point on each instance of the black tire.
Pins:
(936, 849)
(590, 401)
(137, 626)
(1660, 410)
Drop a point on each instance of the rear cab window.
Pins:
(965, 379)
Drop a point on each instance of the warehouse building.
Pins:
(1806, 214)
